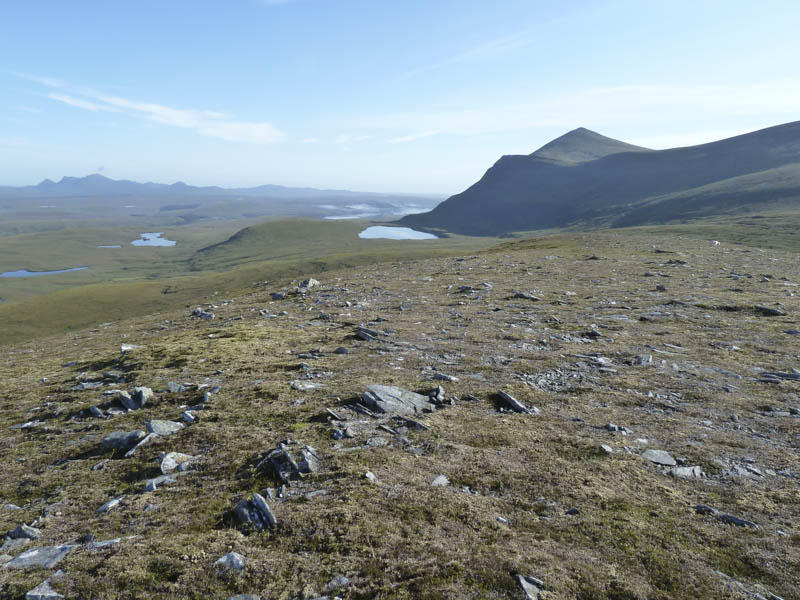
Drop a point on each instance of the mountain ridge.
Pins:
(530, 192)
(97, 184)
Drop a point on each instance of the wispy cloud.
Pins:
(490, 49)
(204, 122)
(311, 140)
(414, 136)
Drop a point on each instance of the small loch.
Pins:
(394, 233)
(153, 239)
(26, 273)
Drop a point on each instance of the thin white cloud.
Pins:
(311, 140)
(78, 102)
(490, 49)
(414, 136)
(204, 122)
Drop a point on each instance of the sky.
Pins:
(411, 96)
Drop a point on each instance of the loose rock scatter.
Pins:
(539, 420)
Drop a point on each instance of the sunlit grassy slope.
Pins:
(135, 281)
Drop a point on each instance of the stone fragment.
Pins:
(122, 440)
(256, 512)
(526, 296)
(203, 314)
(152, 484)
(25, 532)
(110, 505)
(391, 399)
(136, 400)
(516, 405)
(172, 461)
(531, 587)
(306, 285)
(659, 457)
(175, 388)
(10, 545)
(768, 311)
(288, 467)
(43, 591)
(232, 561)
(687, 472)
(46, 556)
(163, 428)
(337, 582)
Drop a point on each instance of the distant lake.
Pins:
(117, 246)
(153, 239)
(394, 233)
(26, 273)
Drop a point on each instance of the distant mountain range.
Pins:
(98, 185)
(586, 179)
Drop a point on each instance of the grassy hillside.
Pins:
(638, 342)
(134, 280)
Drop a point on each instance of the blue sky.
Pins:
(378, 95)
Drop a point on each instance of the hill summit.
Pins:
(581, 145)
(585, 179)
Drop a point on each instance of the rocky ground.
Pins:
(603, 416)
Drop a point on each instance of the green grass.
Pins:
(208, 260)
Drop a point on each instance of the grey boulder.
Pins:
(122, 440)
(256, 512)
(659, 457)
(391, 399)
(25, 532)
(174, 461)
(136, 400)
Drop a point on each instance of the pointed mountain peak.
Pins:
(46, 183)
(582, 145)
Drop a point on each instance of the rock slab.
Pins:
(391, 399)
(47, 557)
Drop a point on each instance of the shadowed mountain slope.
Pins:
(584, 178)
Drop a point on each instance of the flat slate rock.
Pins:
(391, 399)
(46, 556)
(43, 591)
(14, 544)
(659, 457)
